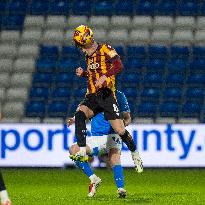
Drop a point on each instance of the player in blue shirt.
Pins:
(104, 141)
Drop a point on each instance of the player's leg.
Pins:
(3, 192)
(86, 168)
(126, 137)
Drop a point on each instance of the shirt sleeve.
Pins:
(122, 102)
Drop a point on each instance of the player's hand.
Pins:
(100, 81)
(79, 71)
(70, 121)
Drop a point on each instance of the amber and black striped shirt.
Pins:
(98, 64)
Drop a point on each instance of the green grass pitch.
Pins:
(70, 187)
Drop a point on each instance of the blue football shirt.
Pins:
(100, 126)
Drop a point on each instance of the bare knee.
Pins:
(74, 149)
(87, 111)
(114, 157)
(118, 126)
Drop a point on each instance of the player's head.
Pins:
(83, 36)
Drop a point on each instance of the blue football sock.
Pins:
(118, 175)
(85, 168)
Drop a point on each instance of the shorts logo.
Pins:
(116, 109)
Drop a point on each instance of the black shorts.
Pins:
(103, 101)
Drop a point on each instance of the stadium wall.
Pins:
(46, 145)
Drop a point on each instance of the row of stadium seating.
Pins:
(104, 7)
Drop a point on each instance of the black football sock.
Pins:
(2, 185)
(80, 128)
(128, 140)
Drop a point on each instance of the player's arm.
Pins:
(126, 118)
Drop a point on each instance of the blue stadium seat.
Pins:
(12, 22)
(157, 51)
(42, 79)
(45, 65)
(177, 66)
(187, 8)
(124, 7)
(191, 109)
(57, 109)
(38, 7)
(120, 50)
(3, 5)
(150, 94)
(35, 109)
(17, 7)
(167, 8)
(103, 7)
(145, 7)
(147, 109)
(81, 7)
(59, 7)
(175, 80)
(49, 52)
(195, 94)
(130, 78)
(156, 65)
(67, 65)
(198, 51)
(136, 51)
(63, 79)
(196, 80)
(61, 93)
(180, 52)
(172, 94)
(169, 109)
(39, 93)
(197, 66)
(202, 9)
(70, 52)
(80, 93)
(134, 65)
(153, 79)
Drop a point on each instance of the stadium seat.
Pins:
(191, 109)
(13, 109)
(76, 20)
(6, 65)
(53, 37)
(12, 22)
(147, 109)
(70, 52)
(163, 22)
(185, 22)
(136, 51)
(124, 7)
(38, 7)
(99, 22)
(55, 22)
(33, 22)
(195, 94)
(157, 51)
(198, 51)
(16, 94)
(60, 94)
(27, 51)
(187, 8)
(11, 37)
(57, 109)
(45, 65)
(42, 79)
(197, 66)
(156, 65)
(4, 79)
(145, 8)
(183, 37)
(120, 22)
(17, 7)
(179, 52)
(117, 36)
(172, 94)
(177, 66)
(81, 7)
(8, 50)
(35, 109)
(20, 80)
(31, 36)
(130, 92)
(161, 36)
(169, 109)
(167, 7)
(175, 80)
(196, 80)
(31, 120)
(63, 79)
(134, 65)
(25, 65)
(150, 94)
(139, 36)
(103, 7)
(153, 79)
(49, 52)
(59, 7)
(143, 22)
(199, 37)
(200, 22)
(39, 93)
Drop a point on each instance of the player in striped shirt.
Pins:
(103, 63)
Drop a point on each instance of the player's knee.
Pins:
(120, 130)
(114, 157)
(74, 149)
(80, 116)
